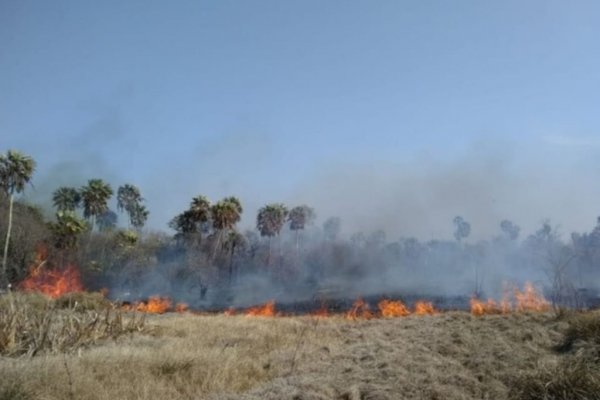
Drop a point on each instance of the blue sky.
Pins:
(326, 102)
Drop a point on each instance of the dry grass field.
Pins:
(453, 355)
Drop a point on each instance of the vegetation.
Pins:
(16, 170)
(209, 260)
(449, 356)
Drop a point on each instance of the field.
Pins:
(452, 355)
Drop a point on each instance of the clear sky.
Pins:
(410, 103)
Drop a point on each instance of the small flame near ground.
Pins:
(57, 282)
(266, 310)
(392, 309)
(527, 300)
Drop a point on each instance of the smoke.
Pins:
(492, 181)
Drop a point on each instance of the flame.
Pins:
(360, 309)
(154, 305)
(391, 309)
(530, 300)
(479, 307)
(424, 308)
(230, 312)
(266, 310)
(53, 283)
(181, 307)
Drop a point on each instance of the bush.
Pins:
(83, 301)
(29, 327)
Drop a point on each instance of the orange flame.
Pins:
(360, 309)
(391, 309)
(181, 307)
(230, 312)
(266, 310)
(479, 307)
(154, 305)
(424, 308)
(530, 300)
(53, 283)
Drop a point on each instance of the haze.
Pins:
(391, 115)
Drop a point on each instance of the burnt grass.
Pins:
(451, 355)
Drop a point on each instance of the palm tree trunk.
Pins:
(8, 229)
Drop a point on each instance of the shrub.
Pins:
(29, 327)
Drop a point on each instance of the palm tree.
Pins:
(95, 198)
(225, 214)
(233, 241)
(16, 170)
(193, 221)
(270, 220)
(129, 199)
(200, 211)
(67, 228)
(299, 217)
(66, 199)
(139, 216)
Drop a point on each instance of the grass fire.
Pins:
(299, 200)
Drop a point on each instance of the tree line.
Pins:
(285, 248)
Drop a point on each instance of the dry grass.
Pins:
(32, 324)
(448, 356)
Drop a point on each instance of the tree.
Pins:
(510, 229)
(299, 217)
(224, 214)
(270, 220)
(462, 228)
(16, 170)
(233, 241)
(95, 198)
(193, 222)
(66, 199)
(129, 199)
(138, 216)
(66, 229)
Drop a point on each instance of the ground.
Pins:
(453, 355)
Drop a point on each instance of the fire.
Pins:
(181, 307)
(230, 312)
(53, 283)
(424, 308)
(266, 310)
(479, 307)
(154, 305)
(360, 309)
(530, 300)
(391, 309)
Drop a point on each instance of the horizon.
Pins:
(396, 117)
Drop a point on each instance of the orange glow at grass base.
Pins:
(360, 309)
(181, 307)
(391, 309)
(266, 310)
(154, 305)
(53, 283)
(528, 300)
(424, 308)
